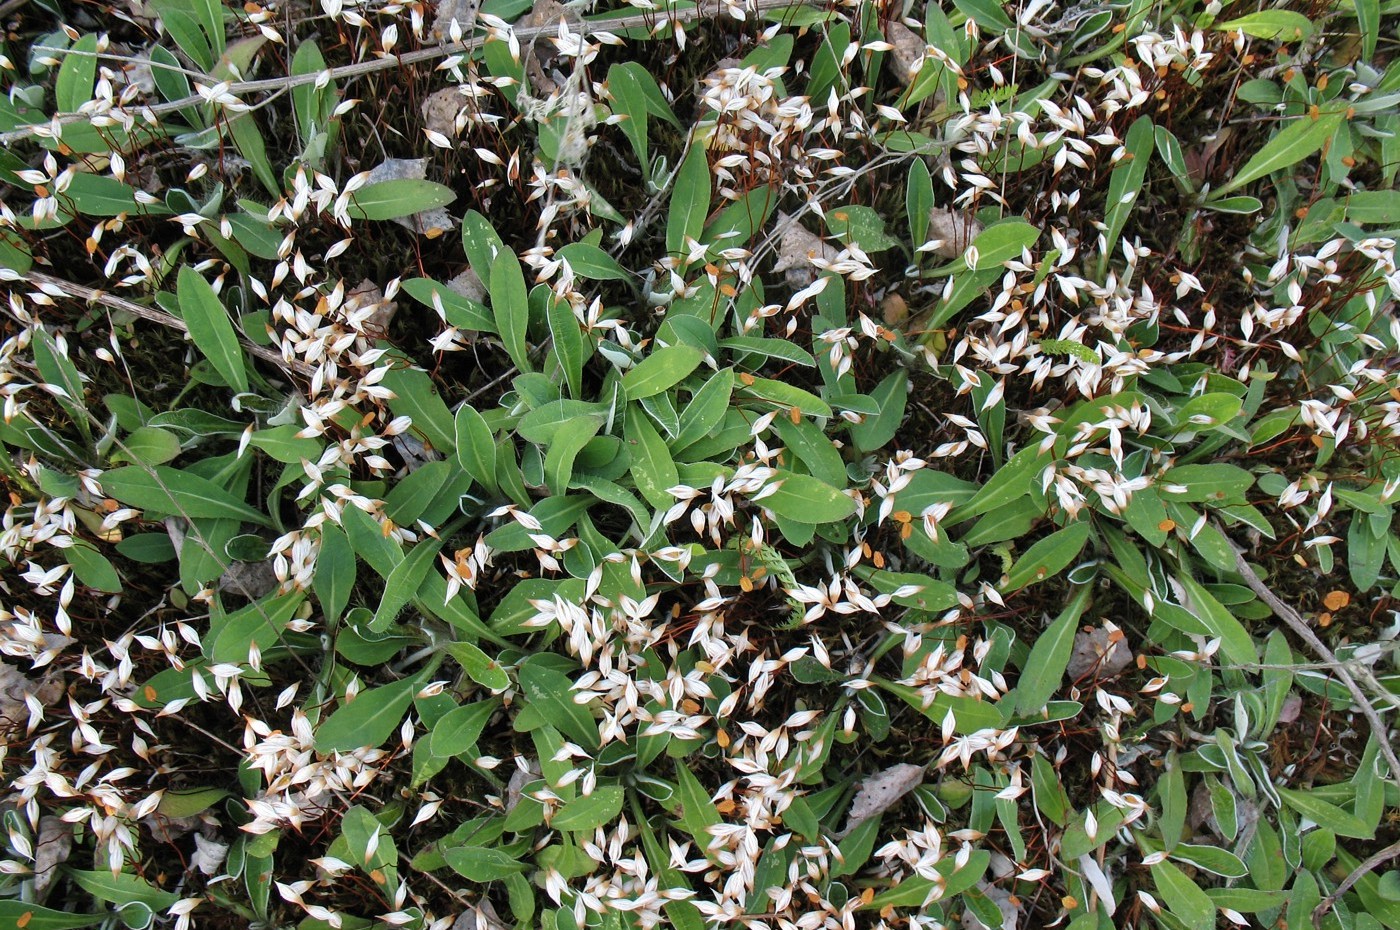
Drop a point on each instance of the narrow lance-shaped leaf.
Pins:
(690, 200)
(918, 200)
(662, 369)
(335, 572)
(1048, 556)
(568, 441)
(210, 327)
(1125, 183)
(476, 447)
(585, 814)
(404, 582)
(369, 719)
(1295, 142)
(510, 306)
(171, 491)
(73, 87)
(398, 197)
(629, 103)
(1050, 656)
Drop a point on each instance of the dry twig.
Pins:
(1385, 855)
(55, 287)
(287, 82)
(1299, 626)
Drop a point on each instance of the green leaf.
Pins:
(416, 492)
(480, 667)
(690, 200)
(740, 221)
(416, 396)
(1235, 641)
(1169, 149)
(1183, 897)
(123, 888)
(147, 548)
(1245, 900)
(99, 195)
(662, 369)
(1340, 822)
(76, 75)
(969, 714)
(167, 490)
(780, 349)
(1212, 859)
(1242, 205)
(540, 425)
(282, 444)
(986, 13)
(1368, 22)
(892, 396)
(33, 917)
(1126, 180)
(589, 261)
(1300, 138)
(458, 730)
(14, 253)
(188, 803)
(785, 396)
(210, 327)
(1382, 207)
(556, 515)
(1217, 483)
(1209, 410)
(653, 469)
(396, 198)
(1002, 242)
(585, 814)
(460, 311)
(1365, 553)
(918, 200)
(476, 446)
(197, 26)
(335, 572)
(697, 810)
(232, 636)
(1048, 557)
(552, 693)
(805, 499)
(813, 448)
(706, 409)
(510, 305)
(369, 719)
(312, 105)
(861, 226)
(243, 129)
(571, 346)
(59, 372)
(564, 448)
(482, 863)
(826, 67)
(1050, 796)
(915, 892)
(630, 103)
(1273, 25)
(405, 583)
(1013, 480)
(92, 568)
(1049, 657)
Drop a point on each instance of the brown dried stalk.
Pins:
(285, 83)
(1299, 626)
(50, 284)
